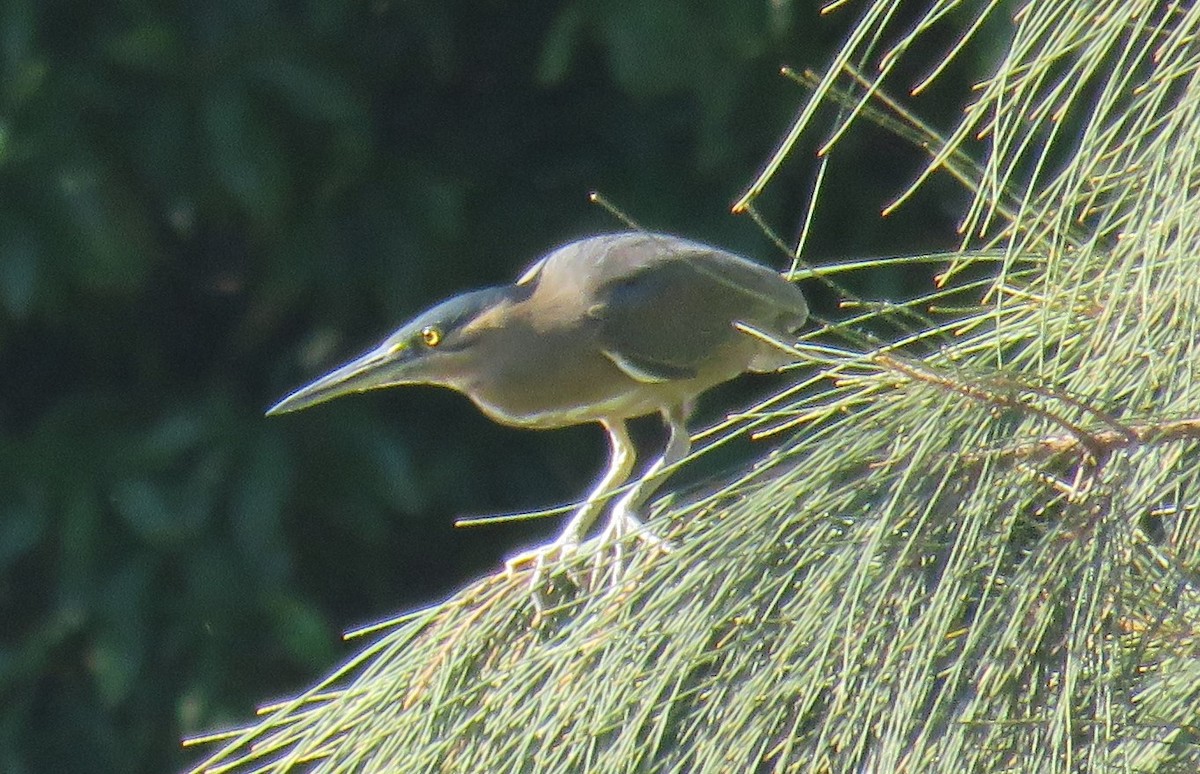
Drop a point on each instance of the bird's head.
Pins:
(436, 347)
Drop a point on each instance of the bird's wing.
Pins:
(530, 274)
(660, 318)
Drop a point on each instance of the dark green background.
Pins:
(204, 205)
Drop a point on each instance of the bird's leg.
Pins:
(621, 458)
(623, 519)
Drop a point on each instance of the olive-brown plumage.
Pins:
(599, 330)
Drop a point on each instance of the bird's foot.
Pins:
(607, 564)
(625, 523)
(622, 525)
(540, 559)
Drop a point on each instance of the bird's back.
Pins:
(668, 305)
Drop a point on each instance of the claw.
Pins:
(607, 564)
(625, 523)
(559, 552)
(622, 525)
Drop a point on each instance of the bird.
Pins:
(604, 329)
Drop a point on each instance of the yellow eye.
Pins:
(431, 336)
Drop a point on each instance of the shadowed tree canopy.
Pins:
(204, 204)
(975, 547)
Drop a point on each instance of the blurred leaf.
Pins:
(301, 631)
(165, 518)
(28, 660)
(311, 93)
(389, 474)
(435, 26)
(329, 18)
(142, 505)
(246, 154)
(172, 436)
(257, 507)
(25, 81)
(22, 524)
(197, 497)
(79, 536)
(8, 671)
(115, 665)
(163, 147)
(653, 47)
(395, 473)
(719, 101)
(17, 33)
(216, 585)
(442, 205)
(106, 228)
(559, 45)
(20, 255)
(118, 652)
(152, 46)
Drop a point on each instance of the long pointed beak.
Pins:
(368, 372)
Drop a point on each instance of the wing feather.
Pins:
(669, 304)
